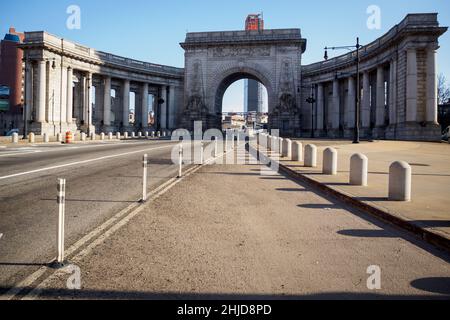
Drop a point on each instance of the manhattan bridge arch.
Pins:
(215, 60)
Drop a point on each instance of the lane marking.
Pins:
(81, 162)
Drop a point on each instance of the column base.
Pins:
(379, 133)
(51, 129)
(412, 131)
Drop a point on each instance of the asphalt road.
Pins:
(102, 179)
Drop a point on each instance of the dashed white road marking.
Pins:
(81, 162)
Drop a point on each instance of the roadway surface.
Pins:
(102, 179)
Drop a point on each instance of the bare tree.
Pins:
(443, 90)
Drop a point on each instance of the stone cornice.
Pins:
(413, 25)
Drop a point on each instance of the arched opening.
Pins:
(242, 100)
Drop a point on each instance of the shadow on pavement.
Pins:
(145, 295)
(367, 233)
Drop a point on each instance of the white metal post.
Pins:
(180, 161)
(144, 180)
(215, 148)
(61, 200)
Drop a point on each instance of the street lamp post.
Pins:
(356, 138)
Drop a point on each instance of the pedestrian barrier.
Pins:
(400, 173)
(330, 161)
(358, 170)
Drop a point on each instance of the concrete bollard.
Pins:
(110, 136)
(287, 149)
(102, 136)
(59, 137)
(46, 138)
(125, 135)
(330, 161)
(31, 138)
(92, 136)
(359, 165)
(158, 134)
(280, 146)
(15, 138)
(118, 135)
(164, 134)
(140, 135)
(153, 134)
(146, 134)
(83, 136)
(400, 181)
(311, 156)
(297, 151)
(133, 135)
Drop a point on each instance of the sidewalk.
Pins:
(228, 232)
(430, 205)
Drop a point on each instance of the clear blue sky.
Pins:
(151, 30)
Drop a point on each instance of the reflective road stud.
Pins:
(144, 180)
(61, 200)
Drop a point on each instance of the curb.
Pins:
(426, 235)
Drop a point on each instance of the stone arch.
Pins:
(234, 72)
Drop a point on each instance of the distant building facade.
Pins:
(11, 81)
(253, 91)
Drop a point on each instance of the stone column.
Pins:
(351, 103)
(163, 115)
(365, 108)
(432, 99)
(41, 91)
(63, 93)
(107, 101)
(320, 104)
(29, 89)
(172, 111)
(411, 85)
(88, 100)
(393, 92)
(380, 112)
(69, 111)
(126, 103)
(144, 103)
(335, 116)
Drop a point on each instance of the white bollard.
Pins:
(330, 161)
(297, 151)
(400, 181)
(46, 138)
(153, 134)
(15, 138)
(180, 161)
(133, 135)
(164, 134)
(83, 136)
(140, 135)
(102, 136)
(144, 178)
(280, 146)
(202, 151)
(216, 150)
(287, 149)
(125, 135)
(146, 134)
(59, 137)
(31, 138)
(359, 165)
(61, 200)
(110, 136)
(158, 134)
(118, 135)
(310, 156)
(92, 136)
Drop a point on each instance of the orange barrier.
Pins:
(69, 137)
